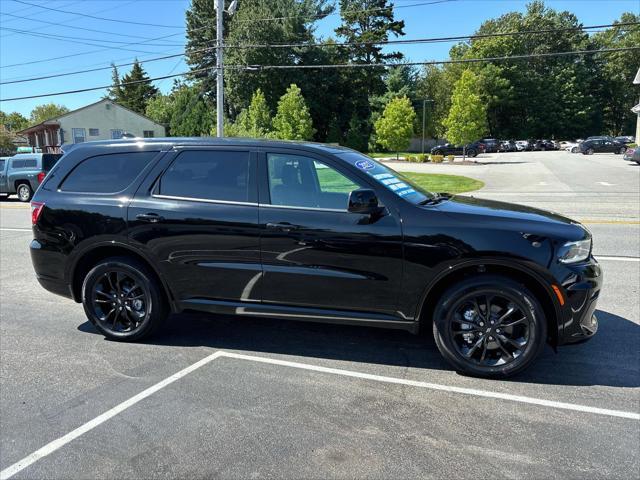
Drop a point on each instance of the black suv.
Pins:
(136, 229)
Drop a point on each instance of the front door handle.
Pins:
(149, 217)
(283, 227)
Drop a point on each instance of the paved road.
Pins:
(314, 401)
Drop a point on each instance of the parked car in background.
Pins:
(573, 147)
(632, 154)
(507, 146)
(490, 144)
(544, 145)
(602, 145)
(626, 139)
(473, 149)
(523, 145)
(24, 172)
(138, 229)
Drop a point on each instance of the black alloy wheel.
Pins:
(489, 326)
(122, 300)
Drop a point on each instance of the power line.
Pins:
(430, 40)
(344, 65)
(95, 17)
(332, 44)
(74, 27)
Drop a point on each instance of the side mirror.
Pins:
(363, 201)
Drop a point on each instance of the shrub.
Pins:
(451, 158)
(422, 157)
(437, 158)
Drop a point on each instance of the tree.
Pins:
(242, 28)
(256, 120)
(136, 95)
(395, 127)
(292, 120)
(193, 115)
(365, 22)
(115, 91)
(45, 112)
(161, 109)
(7, 146)
(467, 119)
(617, 70)
(13, 121)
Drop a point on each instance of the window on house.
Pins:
(78, 135)
(148, 134)
(94, 132)
(116, 133)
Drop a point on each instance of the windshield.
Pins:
(388, 178)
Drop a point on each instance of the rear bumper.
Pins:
(581, 289)
(47, 265)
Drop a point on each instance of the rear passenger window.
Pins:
(106, 173)
(208, 175)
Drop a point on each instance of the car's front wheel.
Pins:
(589, 151)
(489, 326)
(123, 300)
(574, 150)
(472, 153)
(621, 150)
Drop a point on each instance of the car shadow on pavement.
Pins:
(609, 359)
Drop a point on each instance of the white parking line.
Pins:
(618, 259)
(2, 229)
(51, 447)
(91, 424)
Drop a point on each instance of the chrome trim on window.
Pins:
(270, 205)
(204, 200)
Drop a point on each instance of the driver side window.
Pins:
(298, 181)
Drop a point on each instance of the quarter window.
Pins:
(208, 175)
(106, 173)
(298, 181)
(148, 133)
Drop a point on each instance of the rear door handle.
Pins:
(149, 217)
(283, 227)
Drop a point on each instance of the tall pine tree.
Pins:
(137, 94)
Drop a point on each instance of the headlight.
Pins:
(572, 252)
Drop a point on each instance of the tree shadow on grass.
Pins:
(609, 359)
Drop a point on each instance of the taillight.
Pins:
(36, 210)
(41, 176)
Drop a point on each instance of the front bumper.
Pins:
(581, 288)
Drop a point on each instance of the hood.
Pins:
(513, 216)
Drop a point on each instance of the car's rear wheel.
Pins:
(489, 326)
(472, 153)
(438, 152)
(621, 150)
(123, 300)
(589, 151)
(24, 192)
(574, 150)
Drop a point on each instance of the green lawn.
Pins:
(332, 181)
(437, 182)
(389, 154)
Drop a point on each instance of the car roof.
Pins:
(213, 141)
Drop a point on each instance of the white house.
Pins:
(98, 121)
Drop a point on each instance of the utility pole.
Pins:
(219, 68)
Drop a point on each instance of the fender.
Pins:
(81, 252)
(528, 268)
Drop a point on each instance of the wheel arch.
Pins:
(89, 258)
(521, 273)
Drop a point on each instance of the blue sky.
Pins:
(456, 17)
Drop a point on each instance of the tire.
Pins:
(133, 282)
(472, 153)
(574, 150)
(438, 152)
(24, 192)
(621, 151)
(484, 357)
(589, 151)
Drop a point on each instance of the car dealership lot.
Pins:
(339, 401)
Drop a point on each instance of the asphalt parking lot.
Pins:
(222, 397)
